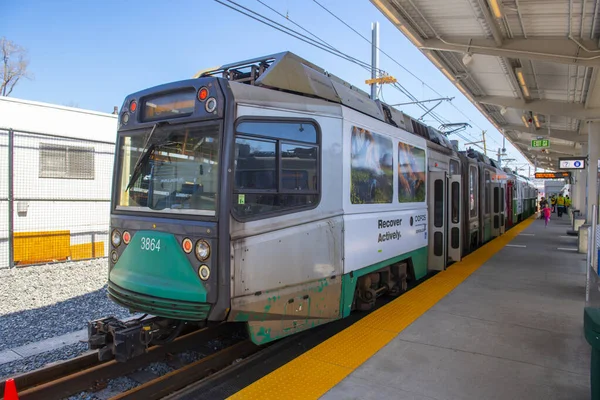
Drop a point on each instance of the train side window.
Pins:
(298, 167)
(502, 199)
(455, 202)
(496, 200)
(438, 203)
(488, 197)
(454, 167)
(256, 164)
(473, 192)
(277, 168)
(284, 130)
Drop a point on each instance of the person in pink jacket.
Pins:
(546, 213)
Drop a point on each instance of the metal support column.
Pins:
(592, 170)
(374, 58)
(578, 191)
(592, 255)
(11, 196)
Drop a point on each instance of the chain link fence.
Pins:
(54, 198)
(4, 236)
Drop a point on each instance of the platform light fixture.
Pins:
(521, 78)
(467, 58)
(448, 75)
(467, 94)
(525, 122)
(536, 121)
(417, 42)
(412, 37)
(496, 9)
(433, 59)
(387, 12)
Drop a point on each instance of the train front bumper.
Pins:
(161, 281)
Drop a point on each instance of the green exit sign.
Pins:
(540, 143)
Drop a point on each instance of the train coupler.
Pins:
(124, 340)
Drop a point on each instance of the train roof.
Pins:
(290, 73)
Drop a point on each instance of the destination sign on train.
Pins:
(571, 163)
(551, 175)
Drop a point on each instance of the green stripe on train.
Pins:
(164, 273)
(419, 262)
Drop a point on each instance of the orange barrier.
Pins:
(49, 246)
(10, 390)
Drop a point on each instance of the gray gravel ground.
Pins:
(38, 361)
(40, 302)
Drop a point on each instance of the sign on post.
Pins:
(571, 163)
(540, 143)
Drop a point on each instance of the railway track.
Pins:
(86, 374)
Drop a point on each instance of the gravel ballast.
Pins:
(39, 360)
(44, 301)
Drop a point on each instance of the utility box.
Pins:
(591, 328)
(584, 234)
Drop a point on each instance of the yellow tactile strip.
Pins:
(315, 372)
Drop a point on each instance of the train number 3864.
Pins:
(150, 244)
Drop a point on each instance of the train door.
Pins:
(486, 207)
(495, 209)
(454, 215)
(502, 200)
(437, 222)
(509, 204)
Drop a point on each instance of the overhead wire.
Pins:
(363, 64)
(293, 33)
(397, 63)
(390, 57)
(325, 46)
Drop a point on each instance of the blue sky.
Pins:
(91, 54)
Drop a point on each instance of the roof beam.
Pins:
(558, 50)
(548, 107)
(572, 136)
(490, 22)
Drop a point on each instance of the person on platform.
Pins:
(553, 203)
(543, 204)
(560, 205)
(546, 213)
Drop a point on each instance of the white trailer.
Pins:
(61, 178)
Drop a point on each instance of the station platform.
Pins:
(504, 323)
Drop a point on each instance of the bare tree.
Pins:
(14, 63)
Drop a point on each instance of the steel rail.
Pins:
(189, 374)
(85, 372)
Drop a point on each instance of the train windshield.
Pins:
(170, 170)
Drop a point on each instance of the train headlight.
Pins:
(115, 238)
(211, 104)
(202, 250)
(204, 272)
(114, 257)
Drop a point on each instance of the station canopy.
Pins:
(530, 66)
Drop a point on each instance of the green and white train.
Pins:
(272, 193)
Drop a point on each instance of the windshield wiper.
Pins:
(143, 158)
